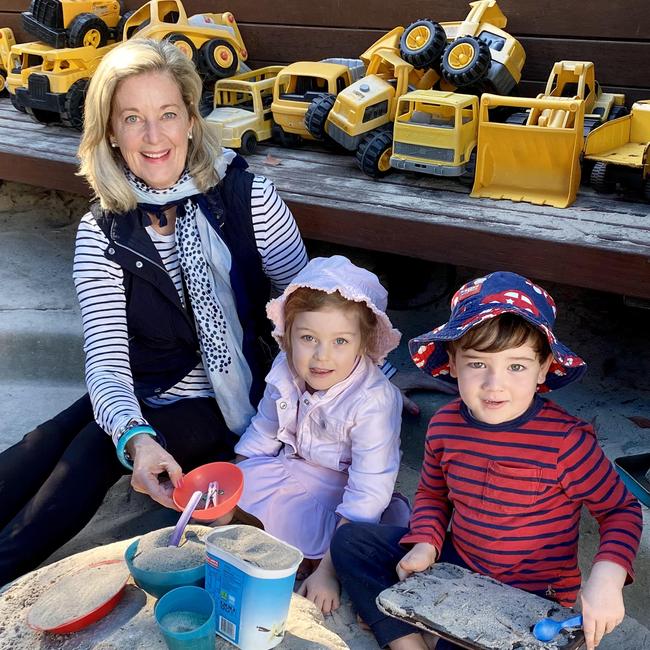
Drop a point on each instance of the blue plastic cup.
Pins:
(185, 616)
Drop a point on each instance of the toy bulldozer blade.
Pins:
(537, 161)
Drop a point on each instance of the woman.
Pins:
(173, 267)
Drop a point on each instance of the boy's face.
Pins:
(498, 386)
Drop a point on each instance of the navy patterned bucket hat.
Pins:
(485, 298)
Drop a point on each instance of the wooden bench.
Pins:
(599, 242)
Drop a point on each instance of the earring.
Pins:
(189, 135)
(113, 144)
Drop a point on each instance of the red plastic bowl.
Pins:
(231, 483)
(90, 617)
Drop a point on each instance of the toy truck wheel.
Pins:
(317, 113)
(466, 61)
(646, 189)
(423, 43)
(285, 139)
(44, 117)
(467, 178)
(73, 112)
(374, 152)
(520, 117)
(16, 104)
(119, 29)
(218, 59)
(3, 85)
(184, 44)
(601, 179)
(87, 29)
(248, 143)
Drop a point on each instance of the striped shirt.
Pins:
(101, 294)
(513, 497)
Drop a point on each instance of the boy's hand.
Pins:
(419, 558)
(322, 588)
(602, 601)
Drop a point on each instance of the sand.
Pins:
(255, 547)
(182, 621)
(474, 608)
(77, 595)
(153, 554)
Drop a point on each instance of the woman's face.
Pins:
(150, 124)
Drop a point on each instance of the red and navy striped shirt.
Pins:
(513, 494)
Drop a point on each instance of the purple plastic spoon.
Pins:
(547, 629)
(184, 518)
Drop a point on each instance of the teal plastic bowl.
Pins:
(158, 583)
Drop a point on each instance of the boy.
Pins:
(507, 469)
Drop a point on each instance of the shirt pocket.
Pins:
(326, 441)
(509, 488)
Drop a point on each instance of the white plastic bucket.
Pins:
(251, 603)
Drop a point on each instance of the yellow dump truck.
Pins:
(538, 161)
(620, 151)
(73, 23)
(435, 133)
(304, 82)
(50, 84)
(242, 108)
(7, 41)
(212, 41)
(577, 79)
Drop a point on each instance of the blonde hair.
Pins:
(501, 333)
(306, 299)
(101, 165)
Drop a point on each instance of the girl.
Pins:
(324, 447)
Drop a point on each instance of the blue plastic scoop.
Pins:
(184, 518)
(547, 629)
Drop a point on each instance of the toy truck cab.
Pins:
(298, 84)
(242, 108)
(73, 23)
(212, 41)
(435, 133)
(50, 84)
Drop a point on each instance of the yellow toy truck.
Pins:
(212, 41)
(620, 151)
(7, 41)
(301, 83)
(435, 133)
(73, 23)
(577, 79)
(242, 108)
(50, 84)
(473, 54)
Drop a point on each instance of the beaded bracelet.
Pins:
(125, 437)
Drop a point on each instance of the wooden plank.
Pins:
(285, 44)
(602, 19)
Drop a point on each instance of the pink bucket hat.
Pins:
(337, 273)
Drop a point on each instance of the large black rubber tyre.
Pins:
(431, 43)
(474, 70)
(248, 143)
(44, 117)
(184, 44)
(617, 111)
(3, 85)
(601, 178)
(119, 28)
(520, 117)
(646, 189)
(467, 179)
(87, 29)
(210, 62)
(373, 153)
(73, 111)
(16, 104)
(317, 113)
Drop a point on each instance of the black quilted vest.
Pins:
(163, 342)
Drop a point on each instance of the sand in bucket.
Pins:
(250, 575)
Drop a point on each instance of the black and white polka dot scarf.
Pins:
(205, 262)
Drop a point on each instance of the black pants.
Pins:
(53, 481)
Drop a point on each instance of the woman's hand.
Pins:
(322, 588)
(602, 601)
(149, 461)
(419, 558)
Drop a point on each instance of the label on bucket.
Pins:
(251, 604)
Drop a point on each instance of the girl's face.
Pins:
(150, 125)
(325, 346)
